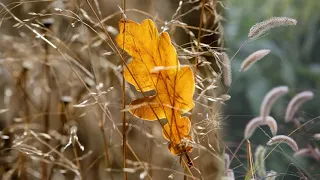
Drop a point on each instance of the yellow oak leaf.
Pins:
(174, 91)
(174, 86)
(148, 50)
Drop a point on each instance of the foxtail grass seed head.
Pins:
(259, 157)
(226, 163)
(270, 98)
(283, 139)
(304, 152)
(272, 123)
(258, 121)
(271, 175)
(226, 69)
(253, 58)
(229, 176)
(296, 103)
(260, 28)
(317, 136)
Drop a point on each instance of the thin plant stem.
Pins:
(75, 153)
(196, 63)
(47, 102)
(22, 83)
(24, 76)
(124, 126)
(250, 174)
(199, 35)
(105, 142)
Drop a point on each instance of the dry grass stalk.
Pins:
(283, 139)
(270, 98)
(253, 58)
(260, 28)
(296, 103)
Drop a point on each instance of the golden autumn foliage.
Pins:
(174, 86)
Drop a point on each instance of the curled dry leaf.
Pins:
(174, 86)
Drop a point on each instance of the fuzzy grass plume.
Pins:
(283, 139)
(296, 103)
(259, 121)
(270, 98)
(262, 27)
(253, 58)
(259, 158)
(226, 69)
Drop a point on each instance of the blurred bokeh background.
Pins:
(293, 61)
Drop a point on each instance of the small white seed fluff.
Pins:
(253, 58)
